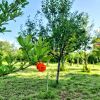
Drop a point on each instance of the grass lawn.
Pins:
(31, 84)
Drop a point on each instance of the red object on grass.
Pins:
(41, 67)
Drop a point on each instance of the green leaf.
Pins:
(21, 41)
(28, 39)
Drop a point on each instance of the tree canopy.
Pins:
(68, 29)
(9, 11)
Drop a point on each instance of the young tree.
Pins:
(86, 47)
(26, 46)
(40, 51)
(34, 52)
(9, 11)
(67, 29)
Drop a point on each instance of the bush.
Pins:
(63, 68)
(86, 70)
(47, 95)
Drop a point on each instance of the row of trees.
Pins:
(10, 56)
(65, 32)
(7, 49)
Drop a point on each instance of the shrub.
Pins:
(47, 95)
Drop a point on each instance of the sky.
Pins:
(92, 7)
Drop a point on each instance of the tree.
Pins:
(26, 46)
(34, 52)
(96, 45)
(29, 30)
(86, 46)
(9, 11)
(67, 29)
(5, 48)
(40, 51)
(92, 58)
(35, 28)
(7, 55)
(71, 58)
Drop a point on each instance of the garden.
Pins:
(55, 60)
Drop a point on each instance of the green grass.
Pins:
(31, 84)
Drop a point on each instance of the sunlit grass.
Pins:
(31, 84)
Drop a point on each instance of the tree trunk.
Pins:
(58, 70)
(0, 60)
(93, 63)
(62, 68)
(85, 61)
(77, 62)
(59, 60)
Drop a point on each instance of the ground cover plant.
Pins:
(31, 84)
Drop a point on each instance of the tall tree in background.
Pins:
(67, 29)
(9, 11)
(30, 29)
(85, 47)
(34, 27)
(5, 47)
